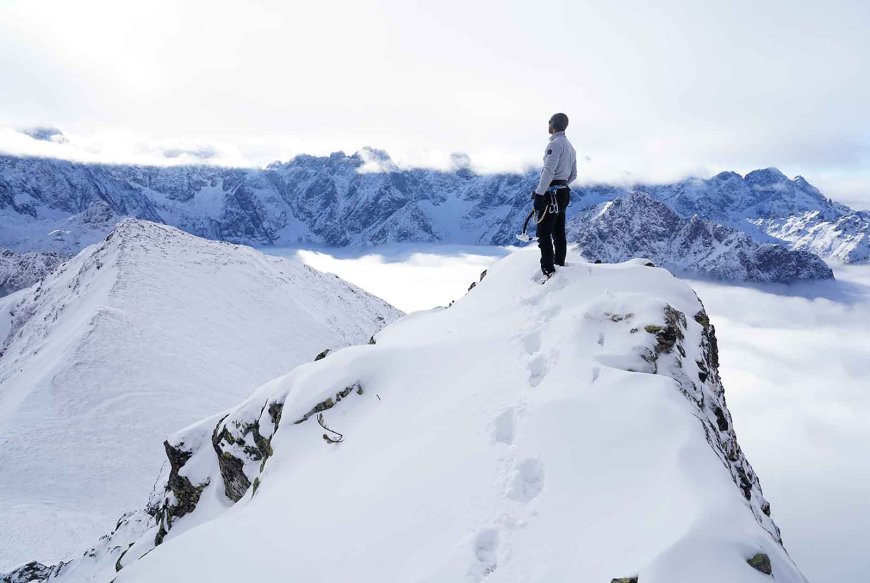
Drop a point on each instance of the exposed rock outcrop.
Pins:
(698, 380)
(760, 562)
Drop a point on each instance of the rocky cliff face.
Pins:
(338, 200)
(523, 421)
(636, 225)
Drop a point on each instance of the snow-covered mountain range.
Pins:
(576, 431)
(766, 203)
(637, 225)
(364, 199)
(143, 333)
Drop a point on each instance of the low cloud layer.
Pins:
(793, 363)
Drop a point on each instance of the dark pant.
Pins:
(551, 229)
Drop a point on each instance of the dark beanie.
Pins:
(559, 121)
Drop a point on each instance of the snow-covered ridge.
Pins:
(575, 431)
(639, 225)
(363, 199)
(145, 332)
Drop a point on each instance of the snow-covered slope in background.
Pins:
(575, 431)
(364, 199)
(133, 338)
(21, 270)
(637, 225)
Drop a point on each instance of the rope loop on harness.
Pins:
(552, 208)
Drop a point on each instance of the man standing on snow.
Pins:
(552, 195)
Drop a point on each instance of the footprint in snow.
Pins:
(528, 481)
(531, 300)
(551, 312)
(537, 370)
(532, 342)
(503, 430)
(485, 548)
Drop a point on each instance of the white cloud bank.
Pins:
(794, 364)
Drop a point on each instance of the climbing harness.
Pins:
(552, 207)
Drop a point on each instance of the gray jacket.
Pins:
(560, 162)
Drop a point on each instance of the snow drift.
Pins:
(135, 337)
(575, 431)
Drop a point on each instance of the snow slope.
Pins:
(21, 270)
(7, 305)
(575, 431)
(133, 338)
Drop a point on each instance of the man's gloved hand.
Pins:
(534, 194)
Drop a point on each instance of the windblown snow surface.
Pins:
(135, 337)
(575, 431)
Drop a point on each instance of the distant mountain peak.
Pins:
(766, 175)
(375, 160)
(45, 134)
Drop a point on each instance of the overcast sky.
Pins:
(654, 90)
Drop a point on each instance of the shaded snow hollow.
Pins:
(575, 431)
(135, 337)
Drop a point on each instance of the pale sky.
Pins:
(654, 90)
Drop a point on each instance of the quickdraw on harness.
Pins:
(552, 207)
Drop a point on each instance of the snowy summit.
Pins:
(575, 431)
(141, 334)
